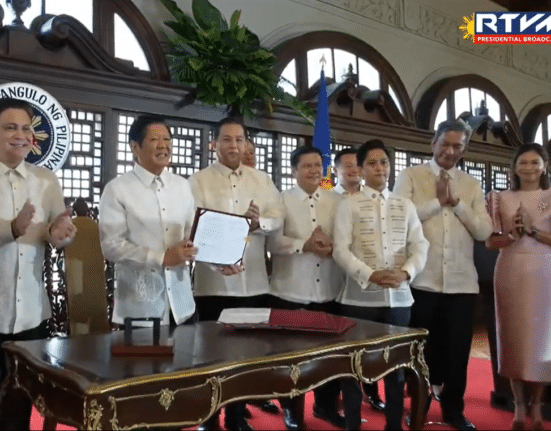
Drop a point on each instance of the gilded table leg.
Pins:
(297, 407)
(419, 390)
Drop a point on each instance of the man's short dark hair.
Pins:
(344, 152)
(230, 120)
(138, 129)
(300, 151)
(373, 144)
(11, 103)
(453, 126)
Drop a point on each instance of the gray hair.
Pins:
(453, 126)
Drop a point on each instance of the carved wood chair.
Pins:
(87, 309)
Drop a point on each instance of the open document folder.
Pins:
(220, 237)
(298, 320)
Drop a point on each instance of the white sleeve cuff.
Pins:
(155, 258)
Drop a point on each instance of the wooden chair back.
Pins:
(86, 284)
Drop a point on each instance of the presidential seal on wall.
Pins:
(51, 126)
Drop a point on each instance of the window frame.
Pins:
(298, 47)
(427, 109)
(104, 32)
(537, 115)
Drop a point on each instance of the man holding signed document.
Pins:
(229, 186)
(145, 230)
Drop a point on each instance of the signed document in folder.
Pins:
(220, 237)
(295, 320)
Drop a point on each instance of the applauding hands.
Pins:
(21, 223)
(62, 230)
(319, 243)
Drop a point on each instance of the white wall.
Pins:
(420, 39)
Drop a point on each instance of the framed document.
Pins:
(220, 237)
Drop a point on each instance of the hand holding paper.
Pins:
(231, 269)
(179, 253)
(254, 214)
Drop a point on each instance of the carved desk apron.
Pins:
(77, 382)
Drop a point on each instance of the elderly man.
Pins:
(145, 230)
(450, 204)
(229, 186)
(32, 213)
(379, 242)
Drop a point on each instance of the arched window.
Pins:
(536, 126)
(299, 66)
(451, 97)
(117, 25)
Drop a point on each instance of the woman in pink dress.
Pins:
(522, 280)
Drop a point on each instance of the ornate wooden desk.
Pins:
(78, 382)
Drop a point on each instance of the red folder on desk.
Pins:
(304, 320)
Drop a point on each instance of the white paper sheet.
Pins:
(220, 238)
(236, 316)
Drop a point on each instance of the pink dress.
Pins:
(522, 283)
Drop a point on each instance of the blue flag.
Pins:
(322, 135)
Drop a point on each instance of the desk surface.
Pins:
(77, 380)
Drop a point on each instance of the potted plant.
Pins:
(224, 62)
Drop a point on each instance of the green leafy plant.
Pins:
(224, 63)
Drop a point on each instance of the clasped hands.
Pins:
(445, 192)
(62, 230)
(319, 243)
(388, 278)
(522, 223)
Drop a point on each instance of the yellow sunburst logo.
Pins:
(468, 27)
(38, 135)
(326, 183)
